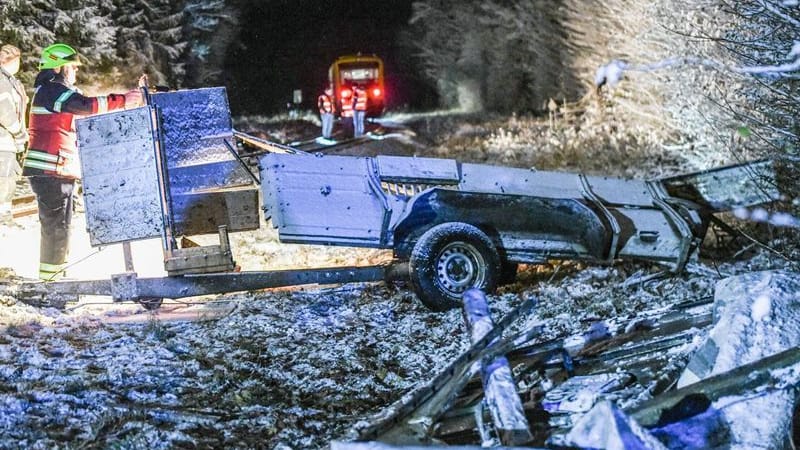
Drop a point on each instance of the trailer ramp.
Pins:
(726, 188)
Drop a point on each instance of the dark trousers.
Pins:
(54, 196)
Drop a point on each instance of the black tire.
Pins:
(450, 258)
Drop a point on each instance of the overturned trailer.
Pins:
(172, 169)
(466, 225)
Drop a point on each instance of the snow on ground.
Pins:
(285, 368)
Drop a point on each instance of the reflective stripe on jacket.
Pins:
(13, 101)
(360, 98)
(53, 144)
(347, 107)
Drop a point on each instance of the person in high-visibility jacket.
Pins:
(346, 102)
(13, 135)
(359, 110)
(326, 111)
(52, 163)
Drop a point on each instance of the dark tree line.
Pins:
(169, 40)
(505, 55)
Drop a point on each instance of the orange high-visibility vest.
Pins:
(54, 108)
(360, 98)
(347, 106)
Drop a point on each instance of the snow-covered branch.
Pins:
(611, 73)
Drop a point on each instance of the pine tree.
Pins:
(150, 39)
(212, 25)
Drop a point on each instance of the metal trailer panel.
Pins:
(120, 183)
(401, 169)
(726, 188)
(269, 193)
(648, 234)
(211, 176)
(205, 179)
(323, 199)
(194, 125)
(618, 191)
(531, 229)
(203, 212)
(512, 181)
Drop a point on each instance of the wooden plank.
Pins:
(24, 205)
(745, 380)
(22, 211)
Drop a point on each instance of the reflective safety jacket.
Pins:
(347, 106)
(13, 102)
(325, 104)
(360, 99)
(53, 146)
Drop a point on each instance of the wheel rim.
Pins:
(459, 267)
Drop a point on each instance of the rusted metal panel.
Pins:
(203, 212)
(726, 188)
(323, 199)
(120, 176)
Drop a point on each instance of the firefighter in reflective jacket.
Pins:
(359, 110)
(13, 136)
(52, 160)
(326, 111)
(347, 109)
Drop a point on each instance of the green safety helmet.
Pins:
(58, 55)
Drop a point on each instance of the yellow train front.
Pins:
(366, 71)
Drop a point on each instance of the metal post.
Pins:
(128, 255)
(499, 387)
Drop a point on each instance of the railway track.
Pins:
(334, 146)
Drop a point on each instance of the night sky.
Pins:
(286, 45)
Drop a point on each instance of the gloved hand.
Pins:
(133, 98)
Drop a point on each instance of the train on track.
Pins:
(171, 169)
(365, 71)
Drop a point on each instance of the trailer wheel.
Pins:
(450, 258)
(150, 303)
